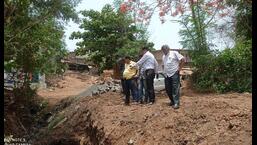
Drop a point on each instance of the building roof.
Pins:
(72, 58)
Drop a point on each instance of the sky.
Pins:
(160, 34)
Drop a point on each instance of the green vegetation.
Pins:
(195, 24)
(109, 35)
(230, 69)
(33, 36)
(33, 42)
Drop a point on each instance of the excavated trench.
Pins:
(92, 135)
(68, 113)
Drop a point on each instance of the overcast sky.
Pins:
(160, 34)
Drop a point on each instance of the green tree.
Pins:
(33, 35)
(230, 69)
(197, 26)
(193, 34)
(196, 16)
(243, 18)
(108, 35)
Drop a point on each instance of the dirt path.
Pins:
(202, 119)
(72, 84)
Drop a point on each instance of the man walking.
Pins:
(172, 65)
(149, 66)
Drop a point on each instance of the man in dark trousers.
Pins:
(172, 64)
(149, 66)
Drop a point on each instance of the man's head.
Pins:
(165, 49)
(120, 60)
(127, 59)
(144, 49)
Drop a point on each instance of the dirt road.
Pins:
(72, 84)
(203, 119)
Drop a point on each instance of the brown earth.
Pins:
(72, 84)
(215, 119)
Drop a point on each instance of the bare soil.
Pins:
(202, 119)
(72, 84)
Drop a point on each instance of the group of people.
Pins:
(138, 77)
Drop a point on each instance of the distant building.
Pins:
(158, 56)
(77, 62)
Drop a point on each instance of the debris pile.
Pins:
(106, 83)
(106, 86)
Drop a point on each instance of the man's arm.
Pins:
(142, 60)
(181, 59)
(181, 63)
(162, 63)
(155, 66)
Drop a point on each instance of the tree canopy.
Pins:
(33, 36)
(108, 35)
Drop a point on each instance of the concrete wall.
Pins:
(38, 80)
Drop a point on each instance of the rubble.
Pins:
(102, 85)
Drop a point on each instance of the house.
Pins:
(158, 56)
(77, 62)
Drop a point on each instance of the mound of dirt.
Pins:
(202, 119)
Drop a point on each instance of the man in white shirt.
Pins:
(172, 65)
(149, 65)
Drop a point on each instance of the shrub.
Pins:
(230, 70)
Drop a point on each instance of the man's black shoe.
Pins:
(151, 103)
(126, 104)
(175, 106)
(171, 103)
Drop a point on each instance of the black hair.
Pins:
(165, 46)
(127, 57)
(144, 48)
